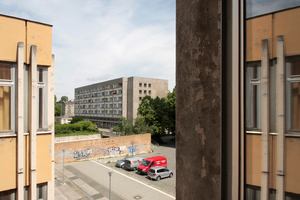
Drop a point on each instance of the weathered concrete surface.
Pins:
(198, 99)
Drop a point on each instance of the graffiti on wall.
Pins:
(132, 149)
(81, 154)
(114, 151)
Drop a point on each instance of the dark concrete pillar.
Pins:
(198, 99)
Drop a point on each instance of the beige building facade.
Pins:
(104, 103)
(26, 110)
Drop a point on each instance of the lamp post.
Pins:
(63, 149)
(110, 173)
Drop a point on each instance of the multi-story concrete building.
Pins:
(26, 110)
(104, 103)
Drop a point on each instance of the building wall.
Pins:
(30, 33)
(97, 148)
(285, 23)
(26, 151)
(131, 97)
(8, 163)
(269, 27)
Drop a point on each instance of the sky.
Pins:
(100, 40)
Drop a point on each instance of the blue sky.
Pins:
(99, 40)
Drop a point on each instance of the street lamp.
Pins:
(63, 149)
(110, 171)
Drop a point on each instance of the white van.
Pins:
(133, 163)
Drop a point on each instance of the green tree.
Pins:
(124, 126)
(159, 113)
(76, 119)
(64, 99)
(140, 126)
(58, 110)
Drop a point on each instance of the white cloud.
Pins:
(99, 40)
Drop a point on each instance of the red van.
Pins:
(152, 162)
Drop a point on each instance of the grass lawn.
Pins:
(76, 133)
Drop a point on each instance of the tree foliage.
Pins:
(75, 120)
(124, 126)
(159, 113)
(58, 110)
(81, 126)
(64, 99)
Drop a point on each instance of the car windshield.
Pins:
(145, 163)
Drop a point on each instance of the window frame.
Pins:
(11, 83)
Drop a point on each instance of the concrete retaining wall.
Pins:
(105, 147)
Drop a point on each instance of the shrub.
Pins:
(62, 129)
(75, 127)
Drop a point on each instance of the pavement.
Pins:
(89, 180)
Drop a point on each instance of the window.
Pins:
(140, 84)
(145, 84)
(6, 96)
(8, 195)
(253, 96)
(149, 85)
(42, 97)
(145, 91)
(41, 191)
(140, 91)
(149, 92)
(293, 93)
(140, 98)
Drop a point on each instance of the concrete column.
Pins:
(280, 118)
(33, 120)
(50, 188)
(20, 121)
(198, 100)
(265, 122)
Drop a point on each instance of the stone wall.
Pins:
(105, 147)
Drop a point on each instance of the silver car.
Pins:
(159, 172)
(121, 163)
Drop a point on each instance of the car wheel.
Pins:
(171, 175)
(158, 178)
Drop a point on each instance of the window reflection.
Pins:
(261, 7)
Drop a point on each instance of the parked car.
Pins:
(133, 163)
(121, 163)
(152, 162)
(159, 172)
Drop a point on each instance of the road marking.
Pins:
(135, 180)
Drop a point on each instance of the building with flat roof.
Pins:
(104, 103)
(26, 110)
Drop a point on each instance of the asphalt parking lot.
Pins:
(167, 150)
(89, 179)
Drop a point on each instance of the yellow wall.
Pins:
(256, 30)
(253, 159)
(17, 30)
(12, 32)
(43, 160)
(41, 36)
(8, 165)
(292, 167)
(96, 148)
(292, 162)
(286, 23)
